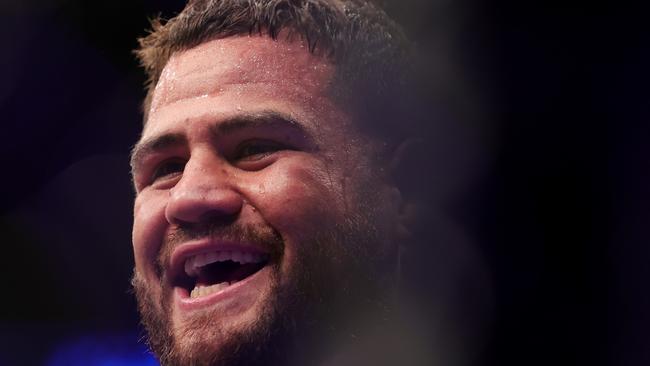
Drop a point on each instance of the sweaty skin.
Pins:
(243, 130)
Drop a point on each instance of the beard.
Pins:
(309, 311)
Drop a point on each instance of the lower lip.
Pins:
(186, 303)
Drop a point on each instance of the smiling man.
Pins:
(267, 220)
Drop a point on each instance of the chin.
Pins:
(248, 335)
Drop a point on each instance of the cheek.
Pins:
(298, 198)
(148, 229)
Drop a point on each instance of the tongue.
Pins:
(226, 272)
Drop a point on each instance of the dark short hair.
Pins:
(369, 51)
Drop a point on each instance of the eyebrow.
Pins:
(263, 119)
(153, 145)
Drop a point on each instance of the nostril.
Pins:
(207, 221)
(218, 218)
(198, 204)
(178, 222)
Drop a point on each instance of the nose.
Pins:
(205, 192)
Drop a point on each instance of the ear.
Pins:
(408, 185)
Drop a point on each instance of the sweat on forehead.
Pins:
(209, 68)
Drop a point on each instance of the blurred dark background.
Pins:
(555, 195)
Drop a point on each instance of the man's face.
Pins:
(259, 213)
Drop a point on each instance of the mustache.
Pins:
(262, 236)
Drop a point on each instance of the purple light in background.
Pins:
(102, 350)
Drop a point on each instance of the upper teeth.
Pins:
(193, 263)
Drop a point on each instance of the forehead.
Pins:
(223, 70)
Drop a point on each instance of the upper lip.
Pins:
(189, 249)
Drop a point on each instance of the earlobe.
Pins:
(400, 208)
(408, 218)
(407, 182)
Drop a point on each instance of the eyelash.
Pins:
(171, 167)
(160, 172)
(267, 148)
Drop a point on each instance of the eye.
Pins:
(167, 169)
(253, 150)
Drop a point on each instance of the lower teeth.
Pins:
(200, 291)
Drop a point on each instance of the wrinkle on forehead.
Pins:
(209, 67)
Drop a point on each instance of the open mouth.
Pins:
(212, 272)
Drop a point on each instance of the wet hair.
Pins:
(369, 51)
